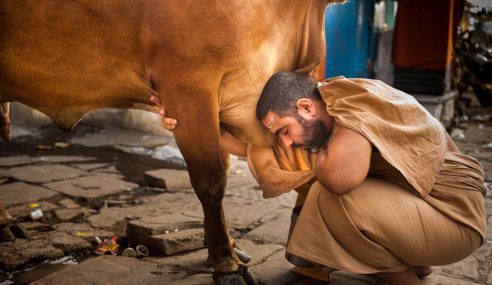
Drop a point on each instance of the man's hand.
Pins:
(167, 123)
(228, 143)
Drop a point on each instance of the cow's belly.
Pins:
(240, 90)
(67, 93)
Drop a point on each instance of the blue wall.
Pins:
(348, 38)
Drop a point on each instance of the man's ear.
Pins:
(306, 108)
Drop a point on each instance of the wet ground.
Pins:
(104, 182)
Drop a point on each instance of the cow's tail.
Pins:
(5, 132)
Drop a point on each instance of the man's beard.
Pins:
(315, 134)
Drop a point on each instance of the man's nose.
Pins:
(286, 140)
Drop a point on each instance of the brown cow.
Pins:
(208, 61)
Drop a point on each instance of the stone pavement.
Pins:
(105, 182)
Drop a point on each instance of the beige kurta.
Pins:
(420, 205)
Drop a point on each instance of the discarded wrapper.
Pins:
(107, 246)
(37, 214)
(61, 144)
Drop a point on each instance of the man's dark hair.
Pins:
(282, 92)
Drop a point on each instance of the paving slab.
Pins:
(108, 269)
(166, 234)
(63, 158)
(68, 204)
(43, 173)
(89, 166)
(245, 214)
(273, 231)
(176, 242)
(20, 192)
(92, 187)
(19, 252)
(110, 169)
(478, 133)
(196, 279)
(23, 211)
(194, 261)
(16, 160)
(347, 278)
(169, 179)
(166, 203)
(68, 215)
(437, 279)
(259, 253)
(275, 270)
(82, 230)
(474, 268)
(68, 243)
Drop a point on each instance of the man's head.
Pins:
(291, 107)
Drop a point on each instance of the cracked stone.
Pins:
(92, 187)
(169, 179)
(20, 192)
(275, 270)
(235, 209)
(43, 173)
(273, 231)
(259, 253)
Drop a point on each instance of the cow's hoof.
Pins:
(242, 255)
(241, 277)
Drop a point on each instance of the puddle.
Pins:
(37, 272)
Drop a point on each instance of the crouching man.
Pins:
(388, 193)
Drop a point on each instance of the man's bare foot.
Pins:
(407, 277)
(422, 271)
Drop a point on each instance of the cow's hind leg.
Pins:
(5, 132)
(197, 136)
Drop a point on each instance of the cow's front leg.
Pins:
(197, 136)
